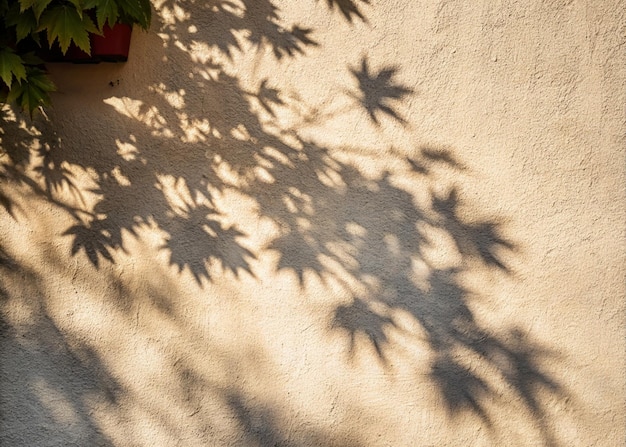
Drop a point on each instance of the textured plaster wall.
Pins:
(301, 223)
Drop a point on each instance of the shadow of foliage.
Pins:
(246, 22)
(197, 238)
(336, 223)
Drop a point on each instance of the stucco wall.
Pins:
(305, 223)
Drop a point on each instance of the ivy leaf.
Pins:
(11, 65)
(64, 23)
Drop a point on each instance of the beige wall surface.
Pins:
(323, 223)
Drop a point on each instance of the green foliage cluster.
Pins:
(29, 26)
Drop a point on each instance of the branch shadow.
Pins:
(45, 375)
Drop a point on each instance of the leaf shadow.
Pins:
(348, 8)
(378, 93)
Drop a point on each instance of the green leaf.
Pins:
(36, 38)
(124, 11)
(11, 65)
(13, 14)
(146, 7)
(32, 93)
(79, 6)
(25, 4)
(31, 59)
(32, 97)
(40, 79)
(23, 21)
(90, 27)
(38, 6)
(138, 11)
(106, 12)
(64, 23)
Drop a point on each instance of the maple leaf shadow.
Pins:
(93, 240)
(482, 240)
(461, 388)
(358, 318)
(378, 93)
(348, 8)
(198, 238)
(54, 172)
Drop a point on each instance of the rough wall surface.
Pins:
(333, 223)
